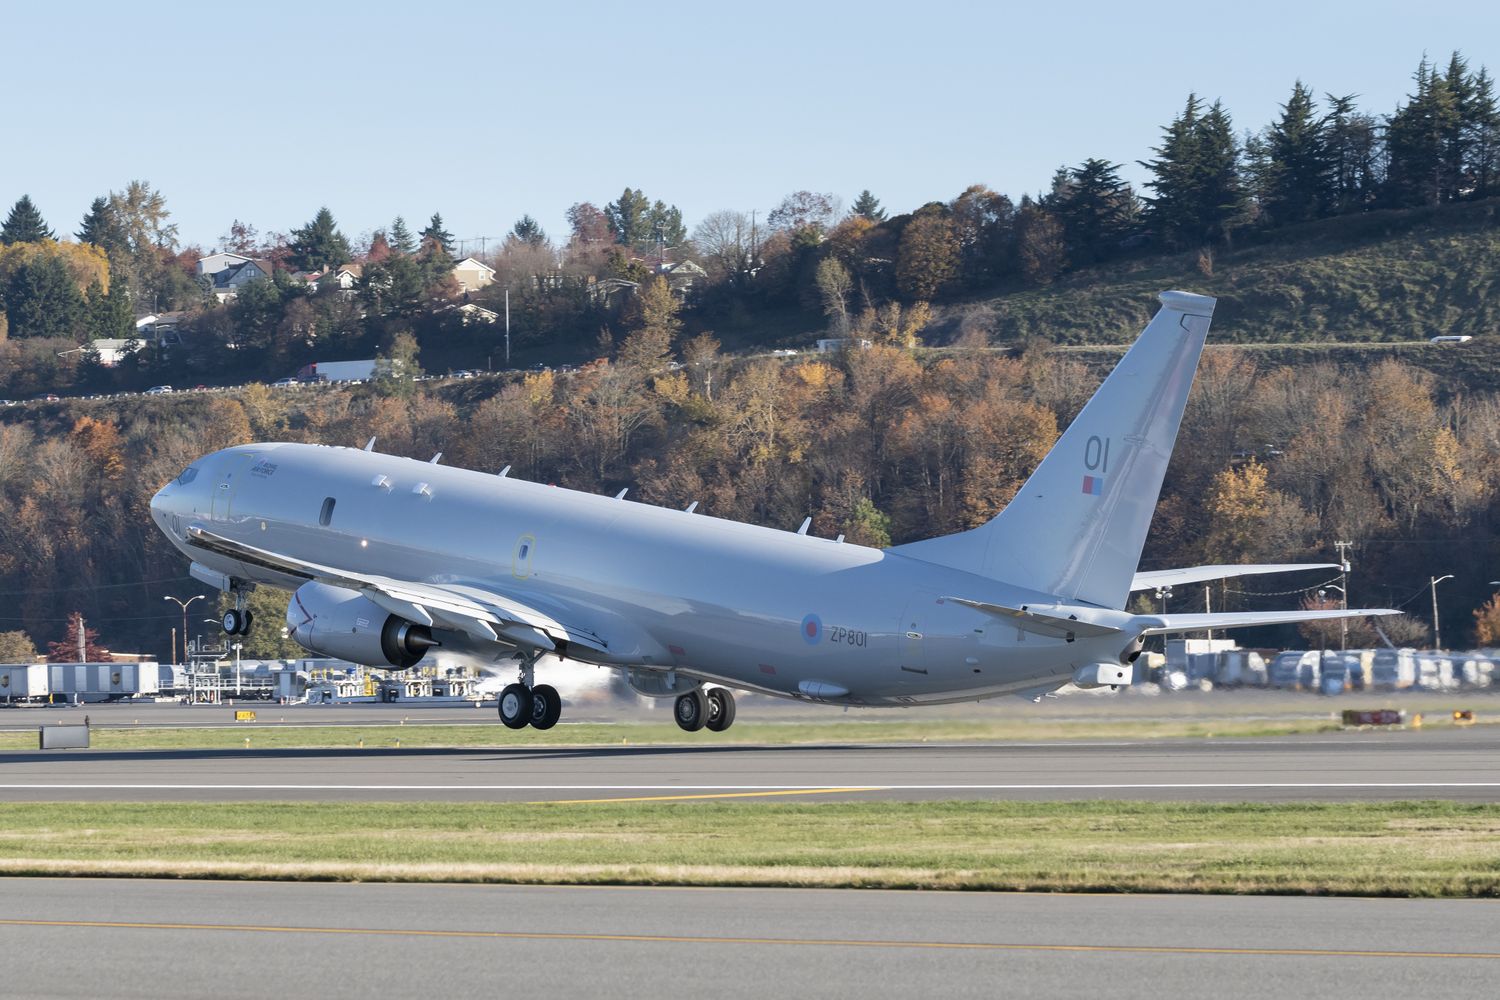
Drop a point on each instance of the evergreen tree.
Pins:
(1172, 214)
(108, 316)
(402, 240)
(1457, 135)
(319, 244)
(527, 230)
(664, 225)
(1096, 209)
(629, 217)
(1351, 142)
(1297, 181)
(41, 300)
(99, 227)
(435, 235)
(1484, 121)
(1414, 142)
(868, 206)
(1199, 196)
(25, 224)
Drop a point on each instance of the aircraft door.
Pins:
(232, 469)
(911, 632)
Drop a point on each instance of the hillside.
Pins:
(1381, 277)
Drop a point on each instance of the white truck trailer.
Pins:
(339, 371)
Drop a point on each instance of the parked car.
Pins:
(464, 373)
(159, 390)
(284, 383)
(1452, 339)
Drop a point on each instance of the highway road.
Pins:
(1461, 765)
(170, 939)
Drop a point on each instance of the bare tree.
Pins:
(723, 241)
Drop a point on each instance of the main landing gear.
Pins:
(710, 708)
(525, 704)
(538, 707)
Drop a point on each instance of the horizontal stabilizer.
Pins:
(1041, 623)
(1169, 624)
(1198, 574)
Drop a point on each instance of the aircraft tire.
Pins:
(231, 622)
(691, 711)
(546, 706)
(515, 706)
(247, 618)
(720, 709)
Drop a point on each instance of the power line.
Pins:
(100, 586)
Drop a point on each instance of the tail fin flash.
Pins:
(1077, 527)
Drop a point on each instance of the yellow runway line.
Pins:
(705, 795)
(802, 942)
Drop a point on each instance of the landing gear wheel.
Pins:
(691, 711)
(720, 709)
(546, 706)
(233, 621)
(247, 619)
(515, 706)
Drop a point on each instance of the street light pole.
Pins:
(1437, 632)
(184, 605)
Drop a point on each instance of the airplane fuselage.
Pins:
(718, 600)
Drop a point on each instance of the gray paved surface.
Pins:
(88, 938)
(1441, 764)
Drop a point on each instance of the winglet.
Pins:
(370, 444)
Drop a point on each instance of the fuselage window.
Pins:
(326, 515)
(525, 551)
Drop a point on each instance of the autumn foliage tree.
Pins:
(78, 637)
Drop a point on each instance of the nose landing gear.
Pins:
(711, 708)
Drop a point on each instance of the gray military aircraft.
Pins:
(390, 557)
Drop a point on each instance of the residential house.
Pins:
(111, 352)
(228, 282)
(161, 329)
(473, 274)
(221, 261)
(681, 276)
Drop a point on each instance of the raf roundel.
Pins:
(812, 629)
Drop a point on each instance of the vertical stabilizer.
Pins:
(1077, 527)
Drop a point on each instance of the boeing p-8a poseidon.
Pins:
(390, 557)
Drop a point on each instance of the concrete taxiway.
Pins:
(1461, 765)
(168, 939)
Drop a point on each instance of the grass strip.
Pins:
(1366, 849)
(268, 735)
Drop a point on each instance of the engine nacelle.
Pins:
(336, 622)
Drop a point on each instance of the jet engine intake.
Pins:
(333, 621)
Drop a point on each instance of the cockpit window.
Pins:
(188, 475)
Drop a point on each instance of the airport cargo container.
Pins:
(1241, 668)
(104, 681)
(23, 682)
(1296, 670)
(1393, 669)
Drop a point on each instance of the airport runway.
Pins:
(1461, 765)
(170, 939)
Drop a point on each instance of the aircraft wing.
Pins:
(1168, 624)
(1198, 574)
(483, 614)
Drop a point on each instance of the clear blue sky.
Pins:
(482, 111)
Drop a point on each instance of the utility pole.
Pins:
(82, 642)
(1343, 548)
(507, 328)
(184, 605)
(1437, 632)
